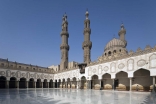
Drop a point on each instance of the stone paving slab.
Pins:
(74, 96)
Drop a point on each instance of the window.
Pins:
(33, 68)
(19, 67)
(114, 51)
(120, 50)
(2, 64)
(109, 53)
(11, 66)
(27, 67)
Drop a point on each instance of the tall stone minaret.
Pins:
(87, 44)
(64, 46)
(122, 33)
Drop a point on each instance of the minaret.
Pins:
(64, 46)
(122, 33)
(87, 44)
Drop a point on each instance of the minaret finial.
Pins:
(63, 18)
(122, 25)
(87, 14)
(65, 15)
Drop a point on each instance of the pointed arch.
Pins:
(143, 79)
(2, 82)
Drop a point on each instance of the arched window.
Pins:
(109, 53)
(105, 54)
(2, 64)
(114, 51)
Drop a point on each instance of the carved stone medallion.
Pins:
(141, 63)
(23, 74)
(94, 70)
(106, 68)
(121, 66)
(32, 75)
(13, 74)
(2, 73)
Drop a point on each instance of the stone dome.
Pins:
(114, 43)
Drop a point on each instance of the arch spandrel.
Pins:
(89, 71)
(130, 65)
(113, 67)
(8, 73)
(152, 61)
(99, 70)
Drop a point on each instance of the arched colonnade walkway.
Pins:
(141, 80)
(24, 83)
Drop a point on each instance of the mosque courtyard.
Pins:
(74, 96)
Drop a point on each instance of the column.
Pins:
(86, 84)
(53, 84)
(66, 85)
(47, 84)
(80, 84)
(113, 84)
(77, 84)
(27, 84)
(100, 83)
(34, 84)
(130, 84)
(71, 84)
(93, 84)
(41, 84)
(7, 84)
(153, 83)
(89, 84)
(17, 84)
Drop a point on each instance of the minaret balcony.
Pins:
(87, 30)
(65, 33)
(64, 46)
(87, 44)
(122, 32)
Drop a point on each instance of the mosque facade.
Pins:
(116, 68)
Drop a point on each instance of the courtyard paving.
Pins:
(74, 96)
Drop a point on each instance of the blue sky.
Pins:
(30, 29)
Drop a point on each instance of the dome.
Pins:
(115, 43)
